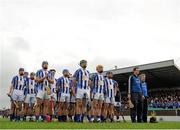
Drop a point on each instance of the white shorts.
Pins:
(72, 99)
(109, 100)
(81, 93)
(98, 96)
(117, 104)
(30, 98)
(18, 95)
(54, 96)
(64, 97)
(42, 94)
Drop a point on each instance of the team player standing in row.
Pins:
(45, 90)
(75, 96)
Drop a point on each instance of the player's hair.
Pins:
(141, 75)
(32, 73)
(44, 62)
(52, 70)
(99, 66)
(65, 70)
(21, 69)
(82, 61)
(109, 72)
(135, 68)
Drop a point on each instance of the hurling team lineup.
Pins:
(39, 96)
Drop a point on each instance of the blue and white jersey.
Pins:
(18, 82)
(98, 83)
(71, 82)
(53, 86)
(110, 85)
(64, 84)
(41, 74)
(30, 86)
(26, 78)
(82, 77)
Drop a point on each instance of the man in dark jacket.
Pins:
(135, 95)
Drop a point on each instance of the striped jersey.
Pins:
(82, 77)
(41, 74)
(98, 83)
(18, 82)
(71, 82)
(26, 78)
(64, 84)
(110, 85)
(53, 86)
(30, 86)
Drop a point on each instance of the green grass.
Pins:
(6, 124)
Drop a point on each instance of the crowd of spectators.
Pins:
(166, 99)
(160, 99)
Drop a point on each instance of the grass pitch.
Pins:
(6, 124)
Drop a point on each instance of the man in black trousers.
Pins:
(135, 95)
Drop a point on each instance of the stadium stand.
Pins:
(163, 79)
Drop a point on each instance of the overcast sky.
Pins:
(108, 32)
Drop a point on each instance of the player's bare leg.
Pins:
(104, 111)
(90, 113)
(71, 110)
(60, 112)
(51, 108)
(31, 110)
(45, 108)
(111, 111)
(116, 113)
(95, 107)
(78, 109)
(12, 112)
(26, 109)
(65, 110)
(88, 110)
(41, 109)
(19, 111)
(38, 108)
(85, 111)
(99, 108)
